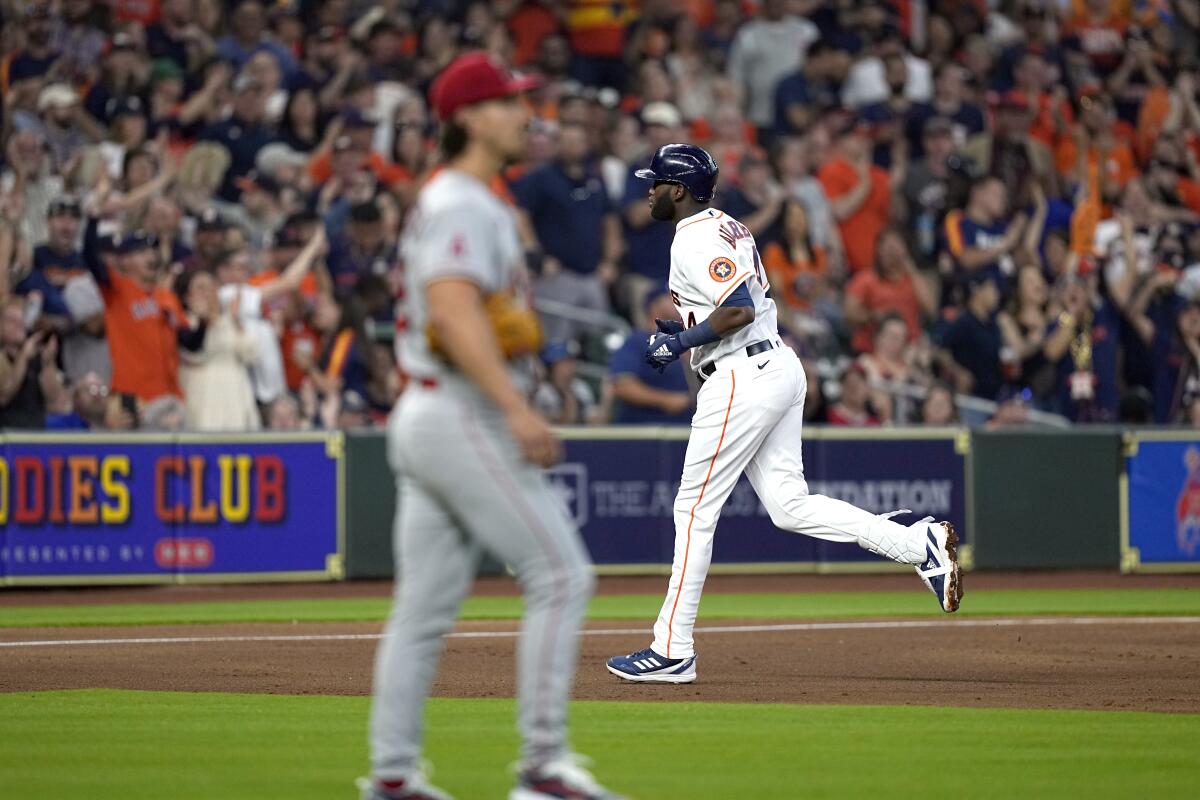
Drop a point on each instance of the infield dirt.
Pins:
(1119, 663)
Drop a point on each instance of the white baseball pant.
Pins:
(749, 417)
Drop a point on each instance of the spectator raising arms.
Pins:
(860, 193)
(142, 316)
(215, 379)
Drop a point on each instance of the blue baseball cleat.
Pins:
(940, 571)
(647, 666)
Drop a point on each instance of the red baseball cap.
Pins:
(474, 78)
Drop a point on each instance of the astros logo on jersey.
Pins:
(721, 269)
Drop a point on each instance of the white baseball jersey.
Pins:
(749, 418)
(711, 256)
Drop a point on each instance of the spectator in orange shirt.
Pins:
(1095, 136)
(1095, 31)
(860, 194)
(144, 321)
(528, 25)
(353, 148)
(796, 268)
(598, 34)
(1034, 78)
(894, 286)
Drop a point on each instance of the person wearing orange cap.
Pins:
(469, 451)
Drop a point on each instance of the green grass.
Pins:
(144, 745)
(816, 605)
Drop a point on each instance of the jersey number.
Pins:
(758, 268)
(691, 320)
(733, 232)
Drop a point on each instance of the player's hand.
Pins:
(537, 442)
(668, 326)
(662, 350)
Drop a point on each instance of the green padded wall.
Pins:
(370, 506)
(1046, 500)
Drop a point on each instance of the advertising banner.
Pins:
(161, 509)
(1161, 529)
(621, 492)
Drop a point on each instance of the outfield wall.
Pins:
(97, 508)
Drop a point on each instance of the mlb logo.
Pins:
(569, 481)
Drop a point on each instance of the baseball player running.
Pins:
(749, 415)
(468, 451)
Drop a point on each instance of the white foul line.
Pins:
(783, 627)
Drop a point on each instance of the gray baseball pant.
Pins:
(464, 488)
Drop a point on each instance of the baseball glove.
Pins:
(517, 329)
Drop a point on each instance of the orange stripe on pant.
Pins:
(692, 516)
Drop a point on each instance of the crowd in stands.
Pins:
(201, 201)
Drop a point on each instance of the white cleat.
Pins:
(415, 786)
(565, 778)
(940, 571)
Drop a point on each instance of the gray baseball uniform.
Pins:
(464, 488)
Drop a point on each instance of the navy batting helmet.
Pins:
(686, 164)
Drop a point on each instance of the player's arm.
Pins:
(735, 312)
(466, 337)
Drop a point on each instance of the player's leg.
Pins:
(777, 474)
(435, 565)
(732, 417)
(511, 510)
